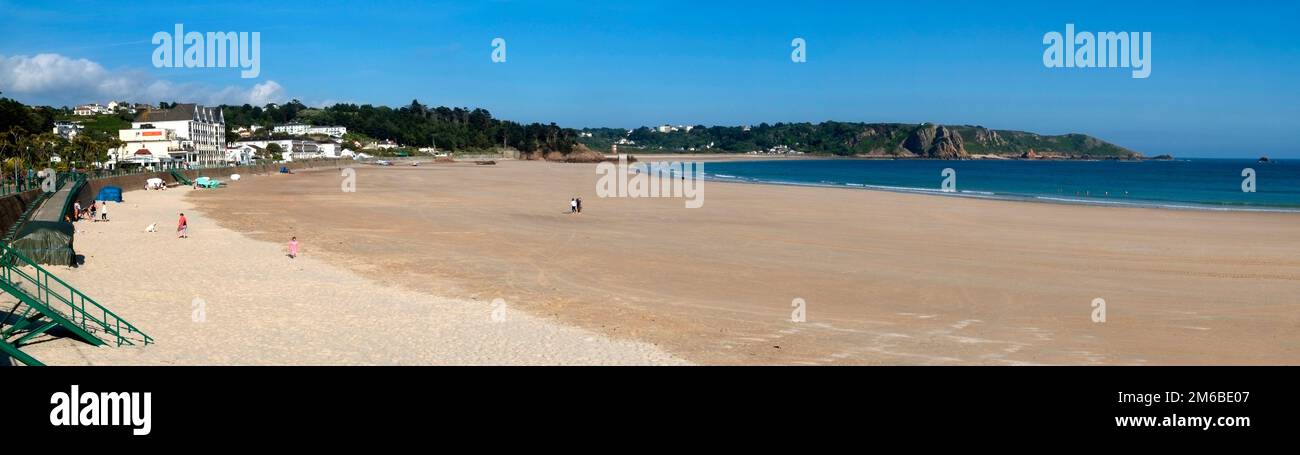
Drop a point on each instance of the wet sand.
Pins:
(887, 278)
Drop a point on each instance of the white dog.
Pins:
(152, 228)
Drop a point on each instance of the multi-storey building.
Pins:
(201, 131)
(157, 148)
(300, 129)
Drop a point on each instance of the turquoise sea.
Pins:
(1210, 184)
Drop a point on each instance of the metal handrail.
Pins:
(76, 300)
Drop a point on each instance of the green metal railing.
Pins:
(9, 186)
(77, 180)
(64, 304)
(52, 302)
(12, 232)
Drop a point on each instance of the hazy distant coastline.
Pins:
(867, 140)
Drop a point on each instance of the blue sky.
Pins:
(1223, 81)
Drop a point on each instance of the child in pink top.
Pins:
(293, 247)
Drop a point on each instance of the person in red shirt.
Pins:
(183, 228)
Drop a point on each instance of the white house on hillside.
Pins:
(295, 129)
(300, 129)
(90, 109)
(241, 153)
(67, 130)
(331, 131)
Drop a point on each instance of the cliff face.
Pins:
(881, 140)
(935, 141)
(959, 142)
(989, 137)
(1022, 144)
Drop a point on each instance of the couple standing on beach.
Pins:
(575, 205)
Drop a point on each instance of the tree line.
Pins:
(827, 137)
(27, 140)
(414, 125)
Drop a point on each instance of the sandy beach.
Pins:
(260, 307)
(404, 270)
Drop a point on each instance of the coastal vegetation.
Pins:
(465, 130)
(860, 139)
(27, 140)
(415, 125)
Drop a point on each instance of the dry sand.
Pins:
(887, 278)
(262, 308)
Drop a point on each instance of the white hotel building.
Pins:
(155, 148)
(189, 134)
(200, 132)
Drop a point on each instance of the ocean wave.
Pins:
(1166, 205)
(989, 195)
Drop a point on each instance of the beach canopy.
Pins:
(207, 182)
(109, 193)
(284, 169)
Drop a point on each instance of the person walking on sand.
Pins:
(103, 212)
(579, 205)
(293, 247)
(183, 228)
(573, 205)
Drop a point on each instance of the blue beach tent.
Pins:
(110, 193)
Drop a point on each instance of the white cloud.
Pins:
(57, 80)
(258, 95)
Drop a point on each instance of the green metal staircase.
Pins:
(181, 178)
(45, 302)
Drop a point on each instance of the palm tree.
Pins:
(12, 136)
(93, 150)
(112, 142)
(45, 145)
(6, 142)
(20, 143)
(81, 149)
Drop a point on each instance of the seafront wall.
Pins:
(13, 205)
